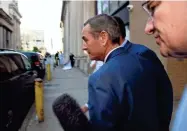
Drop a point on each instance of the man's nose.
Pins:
(84, 47)
(149, 28)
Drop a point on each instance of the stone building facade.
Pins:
(10, 24)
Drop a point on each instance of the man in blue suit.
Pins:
(129, 91)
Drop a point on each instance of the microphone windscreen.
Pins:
(69, 114)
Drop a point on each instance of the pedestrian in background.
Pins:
(57, 58)
(61, 59)
(72, 59)
(95, 65)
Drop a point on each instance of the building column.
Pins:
(1, 37)
(18, 35)
(79, 28)
(9, 40)
(66, 32)
(4, 38)
(72, 23)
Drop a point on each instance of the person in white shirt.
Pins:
(95, 65)
(180, 121)
(61, 58)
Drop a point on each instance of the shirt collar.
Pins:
(124, 43)
(110, 53)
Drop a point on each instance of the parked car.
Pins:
(16, 89)
(37, 62)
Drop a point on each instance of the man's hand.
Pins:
(84, 109)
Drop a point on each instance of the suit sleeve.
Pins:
(106, 104)
(164, 91)
(165, 98)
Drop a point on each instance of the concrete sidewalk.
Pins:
(71, 81)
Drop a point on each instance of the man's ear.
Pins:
(103, 37)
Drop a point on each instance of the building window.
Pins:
(108, 7)
(127, 32)
(105, 7)
(102, 7)
(99, 7)
(113, 6)
(122, 2)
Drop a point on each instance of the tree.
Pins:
(35, 49)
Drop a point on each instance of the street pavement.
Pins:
(71, 81)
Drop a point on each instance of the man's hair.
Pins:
(121, 26)
(106, 23)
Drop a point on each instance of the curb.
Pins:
(27, 118)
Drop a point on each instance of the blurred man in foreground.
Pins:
(168, 23)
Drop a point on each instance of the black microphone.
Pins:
(69, 114)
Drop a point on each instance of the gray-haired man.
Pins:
(123, 93)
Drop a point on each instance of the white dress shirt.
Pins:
(122, 45)
(180, 121)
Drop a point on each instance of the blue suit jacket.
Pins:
(130, 92)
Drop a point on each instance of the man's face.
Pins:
(168, 23)
(92, 45)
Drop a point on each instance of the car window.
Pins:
(26, 63)
(3, 67)
(28, 55)
(8, 67)
(3, 71)
(34, 58)
(18, 60)
(9, 63)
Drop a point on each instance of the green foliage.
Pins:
(35, 49)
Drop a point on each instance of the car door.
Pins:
(10, 89)
(5, 105)
(26, 78)
(29, 76)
